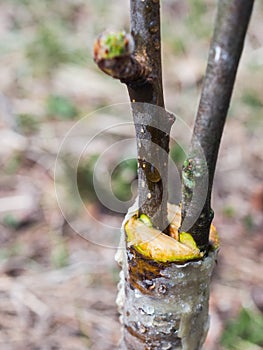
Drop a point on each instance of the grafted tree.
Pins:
(168, 252)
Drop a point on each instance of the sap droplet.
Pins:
(142, 130)
(149, 196)
(153, 27)
(142, 163)
(153, 174)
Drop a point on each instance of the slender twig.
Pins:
(153, 125)
(141, 70)
(226, 47)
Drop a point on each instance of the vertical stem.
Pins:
(152, 125)
(163, 305)
(145, 29)
(227, 44)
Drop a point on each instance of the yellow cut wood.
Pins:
(156, 245)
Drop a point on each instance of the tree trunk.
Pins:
(163, 305)
(164, 302)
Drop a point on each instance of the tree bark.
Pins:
(162, 305)
(152, 125)
(140, 69)
(226, 47)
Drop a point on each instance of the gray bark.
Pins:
(141, 71)
(226, 47)
(146, 31)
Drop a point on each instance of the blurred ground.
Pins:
(57, 290)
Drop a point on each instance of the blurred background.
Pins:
(57, 289)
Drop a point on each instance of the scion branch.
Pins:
(136, 61)
(226, 47)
